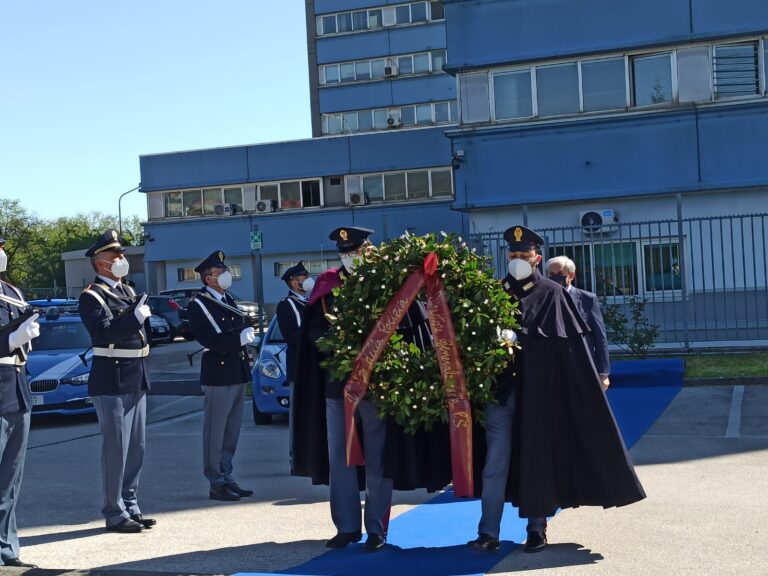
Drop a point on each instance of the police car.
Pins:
(58, 365)
(271, 393)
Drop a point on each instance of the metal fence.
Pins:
(49, 293)
(703, 279)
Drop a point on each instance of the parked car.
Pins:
(173, 312)
(58, 376)
(158, 330)
(182, 296)
(271, 392)
(63, 305)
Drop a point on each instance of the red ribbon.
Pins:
(444, 337)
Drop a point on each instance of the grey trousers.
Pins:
(14, 432)
(498, 438)
(345, 491)
(221, 431)
(122, 419)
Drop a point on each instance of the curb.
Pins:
(728, 381)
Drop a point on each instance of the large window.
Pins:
(378, 68)
(205, 202)
(189, 274)
(512, 94)
(604, 84)
(662, 266)
(314, 267)
(558, 89)
(388, 118)
(293, 194)
(371, 19)
(403, 186)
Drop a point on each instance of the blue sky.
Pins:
(86, 86)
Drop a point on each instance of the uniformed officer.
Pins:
(118, 381)
(289, 317)
(15, 404)
(221, 328)
(498, 432)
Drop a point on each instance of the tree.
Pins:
(19, 228)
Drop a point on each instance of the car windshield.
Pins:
(62, 335)
(275, 335)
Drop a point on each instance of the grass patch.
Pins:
(732, 365)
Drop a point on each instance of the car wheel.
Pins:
(259, 418)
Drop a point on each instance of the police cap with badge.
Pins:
(349, 238)
(519, 279)
(215, 260)
(110, 240)
(293, 271)
(522, 239)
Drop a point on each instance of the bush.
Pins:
(634, 334)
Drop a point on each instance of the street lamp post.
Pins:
(120, 210)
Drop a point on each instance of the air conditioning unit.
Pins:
(594, 221)
(357, 199)
(390, 71)
(394, 122)
(227, 209)
(264, 206)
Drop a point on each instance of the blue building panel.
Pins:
(482, 33)
(327, 6)
(195, 168)
(417, 38)
(732, 143)
(718, 18)
(298, 159)
(345, 48)
(387, 93)
(399, 150)
(572, 161)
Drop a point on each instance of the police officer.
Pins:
(118, 381)
(220, 327)
(15, 404)
(498, 435)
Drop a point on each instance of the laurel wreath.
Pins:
(406, 382)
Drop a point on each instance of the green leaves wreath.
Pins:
(406, 382)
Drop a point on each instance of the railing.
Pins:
(46, 293)
(704, 279)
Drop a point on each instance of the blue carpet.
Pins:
(429, 540)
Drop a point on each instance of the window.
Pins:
(350, 122)
(383, 118)
(348, 72)
(512, 95)
(310, 193)
(314, 267)
(172, 205)
(332, 74)
(187, 275)
(604, 84)
(694, 74)
(377, 68)
(290, 195)
(234, 196)
(438, 60)
(374, 19)
(360, 20)
(418, 184)
(582, 257)
(557, 89)
(442, 113)
(436, 10)
(211, 197)
(269, 192)
(334, 123)
(474, 98)
(424, 114)
(344, 22)
(363, 70)
(652, 79)
(616, 269)
(235, 270)
(419, 12)
(403, 14)
(442, 183)
(394, 186)
(365, 120)
(373, 186)
(662, 266)
(193, 203)
(380, 119)
(329, 24)
(405, 65)
(408, 116)
(736, 70)
(421, 63)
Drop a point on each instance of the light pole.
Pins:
(120, 210)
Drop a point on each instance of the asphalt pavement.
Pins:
(702, 464)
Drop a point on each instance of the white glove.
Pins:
(509, 335)
(142, 311)
(28, 330)
(247, 336)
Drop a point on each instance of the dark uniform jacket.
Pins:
(289, 318)
(122, 331)
(15, 396)
(224, 362)
(589, 306)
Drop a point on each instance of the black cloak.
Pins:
(567, 450)
(412, 461)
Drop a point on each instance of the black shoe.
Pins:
(127, 526)
(18, 563)
(223, 493)
(343, 538)
(239, 491)
(484, 543)
(536, 542)
(374, 542)
(146, 522)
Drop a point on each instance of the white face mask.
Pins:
(519, 269)
(224, 280)
(3, 260)
(307, 285)
(120, 268)
(348, 260)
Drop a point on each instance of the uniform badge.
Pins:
(221, 255)
(114, 235)
(344, 235)
(518, 234)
